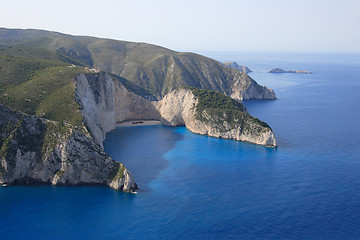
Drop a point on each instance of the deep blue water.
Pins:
(198, 187)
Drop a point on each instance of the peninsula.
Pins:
(74, 90)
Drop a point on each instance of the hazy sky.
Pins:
(202, 25)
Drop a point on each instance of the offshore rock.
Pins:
(180, 108)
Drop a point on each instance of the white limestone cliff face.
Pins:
(178, 108)
(105, 102)
(32, 152)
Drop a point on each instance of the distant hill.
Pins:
(155, 69)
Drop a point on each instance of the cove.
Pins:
(141, 149)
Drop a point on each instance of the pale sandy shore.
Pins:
(138, 123)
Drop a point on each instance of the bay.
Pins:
(198, 187)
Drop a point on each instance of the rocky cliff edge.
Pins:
(35, 150)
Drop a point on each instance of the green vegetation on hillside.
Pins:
(15, 70)
(41, 87)
(36, 53)
(216, 100)
(224, 109)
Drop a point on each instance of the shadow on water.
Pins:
(141, 149)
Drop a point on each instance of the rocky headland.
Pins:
(210, 113)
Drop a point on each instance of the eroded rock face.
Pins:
(246, 88)
(37, 150)
(177, 108)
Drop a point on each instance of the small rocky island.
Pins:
(241, 68)
(279, 70)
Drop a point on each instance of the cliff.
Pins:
(38, 150)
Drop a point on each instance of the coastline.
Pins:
(132, 123)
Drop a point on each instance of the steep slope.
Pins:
(156, 69)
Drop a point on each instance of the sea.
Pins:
(199, 187)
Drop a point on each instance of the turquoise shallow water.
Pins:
(198, 187)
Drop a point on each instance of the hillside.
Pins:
(156, 69)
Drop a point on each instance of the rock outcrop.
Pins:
(42, 151)
(255, 91)
(241, 68)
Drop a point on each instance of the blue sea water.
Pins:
(198, 187)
